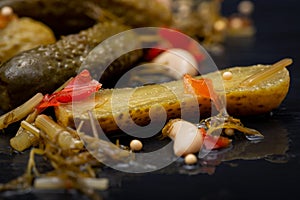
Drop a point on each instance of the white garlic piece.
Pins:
(178, 62)
(187, 138)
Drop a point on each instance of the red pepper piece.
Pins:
(79, 88)
(175, 39)
(202, 87)
(215, 142)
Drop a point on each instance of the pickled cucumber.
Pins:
(45, 68)
(23, 34)
(258, 99)
(77, 15)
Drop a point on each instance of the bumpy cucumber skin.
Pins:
(45, 68)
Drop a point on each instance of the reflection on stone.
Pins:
(272, 148)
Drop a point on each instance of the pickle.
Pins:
(23, 34)
(138, 13)
(45, 68)
(261, 98)
(77, 15)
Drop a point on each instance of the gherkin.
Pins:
(45, 68)
(156, 103)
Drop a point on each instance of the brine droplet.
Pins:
(254, 138)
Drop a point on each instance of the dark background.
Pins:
(277, 37)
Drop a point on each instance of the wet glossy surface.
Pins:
(266, 170)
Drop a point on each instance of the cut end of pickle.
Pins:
(267, 73)
(266, 95)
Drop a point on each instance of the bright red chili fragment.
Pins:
(79, 88)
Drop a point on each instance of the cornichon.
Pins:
(45, 68)
(124, 105)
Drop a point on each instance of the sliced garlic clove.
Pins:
(187, 138)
